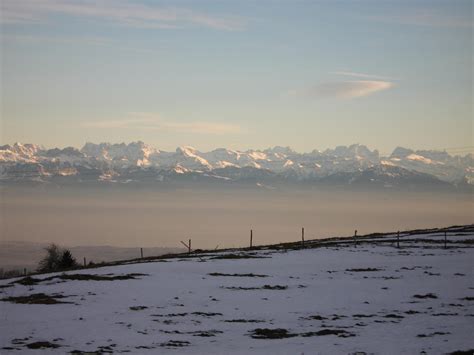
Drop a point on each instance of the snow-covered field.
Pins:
(336, 299)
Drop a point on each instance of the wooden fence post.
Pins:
(398, 239)
(84, 261)
(302, 237)
(141, 252)
(355, 237)
(24, 270)
(187, 245)
(251, 237)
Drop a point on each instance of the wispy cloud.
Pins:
(343, 89)
(361, 75)
(120, 12)
(150, 121)
(425, 17)
(350, 89)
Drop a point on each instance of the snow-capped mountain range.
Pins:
(138, 162)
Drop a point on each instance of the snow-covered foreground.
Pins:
(330, 300)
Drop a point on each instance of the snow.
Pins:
(106, 177)
(257, 155)
(219, 177)
(419, 158)
(121, 155)
(224, 164)
(453, 169)
(188, 157)
(178, 169)
(387, 162)
(67, 172)
(255, 165)
(366, 290)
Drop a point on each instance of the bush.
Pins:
(67, 260)
(56, 260)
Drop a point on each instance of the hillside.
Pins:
(16, 255)
(333, 296)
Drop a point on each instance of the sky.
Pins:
(238, 74)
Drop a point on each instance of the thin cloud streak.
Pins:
(349, 89)
(120, 12)
(361, 75)
(147, 121)
(343, 89)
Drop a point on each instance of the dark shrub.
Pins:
(67, 260)
(56, 260)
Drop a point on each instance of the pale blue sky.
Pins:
(239, 74)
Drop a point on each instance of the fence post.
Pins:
(187, 245)
(141, 252)
(24, 270)
(251, 237)
(398, 239)
(355, 237)
(302, 237)
(84, 261)
(445, 239)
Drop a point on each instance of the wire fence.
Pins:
(437, 238)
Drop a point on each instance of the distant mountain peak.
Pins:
(187, 150)
(138, 161)
(400, 152)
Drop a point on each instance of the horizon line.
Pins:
(467, 150)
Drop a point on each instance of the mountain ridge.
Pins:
(135, 161)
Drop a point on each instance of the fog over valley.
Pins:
(133, 217)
